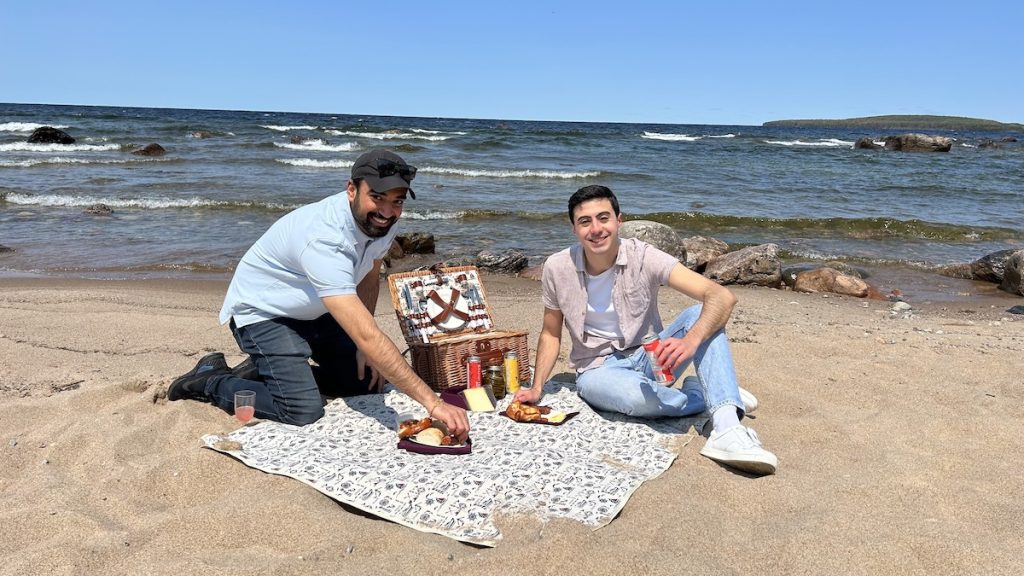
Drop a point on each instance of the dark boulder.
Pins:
(4, 249)
(988, 144)
(1013, 275)
(918, 143)
(508, 262)
(98, 210)
(867, 144)
(49, 135)
(700, 250)
(758, 265)
(1008, 139)
(150, 150)
(989, 268)
(416, 243)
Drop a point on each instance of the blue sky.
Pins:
(741, 62)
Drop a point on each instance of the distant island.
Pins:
(910, 122)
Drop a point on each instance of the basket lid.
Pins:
(440, 303)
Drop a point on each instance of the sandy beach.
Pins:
(898, 440)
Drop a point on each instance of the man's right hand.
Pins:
(454, 418)
(529, 395)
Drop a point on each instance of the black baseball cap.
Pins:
(384, 170)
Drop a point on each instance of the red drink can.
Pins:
(474, 375)
(651, 343)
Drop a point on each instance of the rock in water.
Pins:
(918, 143)
(867, 144)
(98, 210)
(49, 135)
(153, 149)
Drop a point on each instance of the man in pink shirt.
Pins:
(605, 291)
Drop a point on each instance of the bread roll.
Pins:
(430, 437)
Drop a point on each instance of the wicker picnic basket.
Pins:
(445, 319)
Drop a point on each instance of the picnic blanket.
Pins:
(585, 469)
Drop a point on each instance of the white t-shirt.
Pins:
(602, 319)
(314, 251)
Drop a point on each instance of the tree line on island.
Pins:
(904, 122)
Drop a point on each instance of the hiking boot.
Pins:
(740, 448)
(192, 385)
(749, 401)
(247, 370)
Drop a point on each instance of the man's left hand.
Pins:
(675, 351)
(376, 379)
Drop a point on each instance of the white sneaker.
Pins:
(749, 401)
(740, 448)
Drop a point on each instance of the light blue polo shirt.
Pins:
(314, 251)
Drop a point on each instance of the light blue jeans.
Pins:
(625, 383)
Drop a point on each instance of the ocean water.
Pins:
(494, 184)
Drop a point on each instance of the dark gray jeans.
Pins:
(290, 389)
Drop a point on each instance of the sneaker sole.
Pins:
(174, 394)
(753, 464)
(749, 401)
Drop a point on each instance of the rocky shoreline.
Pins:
(758, 265)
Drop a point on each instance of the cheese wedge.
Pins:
(478, 400)
(555, 417)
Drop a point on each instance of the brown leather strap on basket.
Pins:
(488, 354)
(447, 308)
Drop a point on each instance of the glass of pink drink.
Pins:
(245, 405)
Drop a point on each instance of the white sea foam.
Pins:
(318, 146)
(433, 215)
(25, 126)
(670, 137)
(27, 147)
(966, 145)
(82, 201)
(395, 135)
(62, 160)
(425, 131)
(286, 128)
(310, 163)
(827, 143)
(507, 173)
(722, 136)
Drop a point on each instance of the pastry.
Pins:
(408, 428)
(430, 437)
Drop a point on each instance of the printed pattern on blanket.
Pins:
(585, 469)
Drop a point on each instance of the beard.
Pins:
(372, 227)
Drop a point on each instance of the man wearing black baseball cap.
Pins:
(307, 289)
